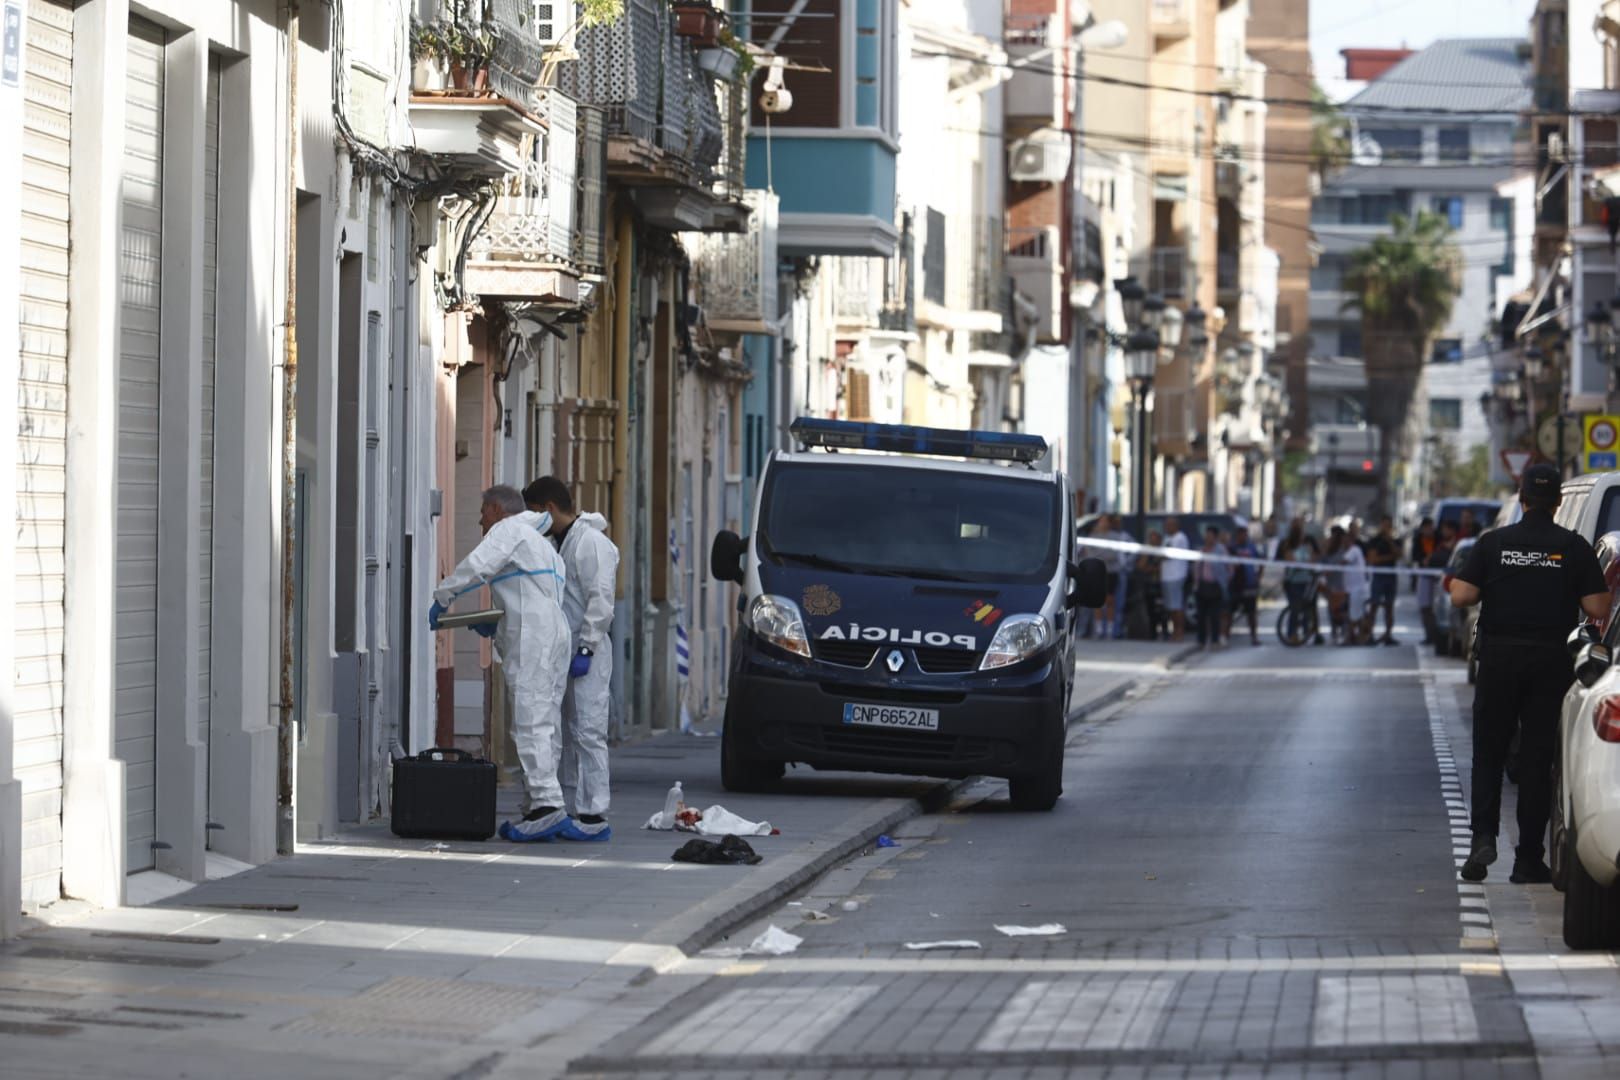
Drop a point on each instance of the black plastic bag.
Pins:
(730, 850)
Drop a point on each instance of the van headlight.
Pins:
(1019, 637)
(777, 620)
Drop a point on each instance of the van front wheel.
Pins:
(1039, 790)
(743, 773)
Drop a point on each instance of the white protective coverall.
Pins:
(592, 565)
(526, 574)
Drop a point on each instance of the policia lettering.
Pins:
(892, 636)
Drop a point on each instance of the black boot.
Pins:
(1480, 856)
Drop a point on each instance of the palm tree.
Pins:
(1404, 284)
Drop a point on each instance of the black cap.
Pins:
(1541, 481)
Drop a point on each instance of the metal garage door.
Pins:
(41, 446)
(140, 274)
(205, 592)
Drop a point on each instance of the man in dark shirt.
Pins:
(1383, 551)
(1535, 580)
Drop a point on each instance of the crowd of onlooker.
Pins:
(1155, 595)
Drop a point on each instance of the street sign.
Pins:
(1602, 442)
(1515, 462)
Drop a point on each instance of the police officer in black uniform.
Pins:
(1535, 579)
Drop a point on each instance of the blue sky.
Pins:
(1339, 24)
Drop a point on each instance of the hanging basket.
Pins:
(699, 21)
(720, 62)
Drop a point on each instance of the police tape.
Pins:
(1131, 547)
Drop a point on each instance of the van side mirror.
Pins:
(725, 557)
(1590, 664)
(1579, 638)
(1089, 578)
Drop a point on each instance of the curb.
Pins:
(696, 928)
(699, 927)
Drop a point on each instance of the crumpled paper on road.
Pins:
(1044, 930)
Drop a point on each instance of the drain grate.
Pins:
(87, 956)
(410, 1007)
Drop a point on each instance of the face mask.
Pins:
(544, 523)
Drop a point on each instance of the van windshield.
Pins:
(926, 523)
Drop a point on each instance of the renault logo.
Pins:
(896, 660)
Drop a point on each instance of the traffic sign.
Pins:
(1515, 462)
(1602, 442)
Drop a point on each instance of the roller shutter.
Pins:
(42, 444)
(135, 710)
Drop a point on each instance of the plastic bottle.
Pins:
(672, 805)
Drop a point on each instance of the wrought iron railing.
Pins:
(1167, 275)
(518, 54)
(534, 218)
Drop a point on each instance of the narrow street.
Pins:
(1251, 873)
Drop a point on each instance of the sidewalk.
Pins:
(376, 956)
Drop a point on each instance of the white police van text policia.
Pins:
(908, 598)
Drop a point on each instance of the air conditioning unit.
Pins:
(552, 20)
(1043, 158)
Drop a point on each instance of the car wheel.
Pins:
(1040, 790)
(744, 773)
(1591, 912)
(1557, 858)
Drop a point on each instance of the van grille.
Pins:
(946, 661)
(850, 654)
(901, 746)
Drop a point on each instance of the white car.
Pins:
(1584, 845)
(1591, 505)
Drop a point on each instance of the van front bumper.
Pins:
(1003, 724)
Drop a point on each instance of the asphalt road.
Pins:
(1253, 871)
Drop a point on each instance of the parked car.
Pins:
(1451, 620)
(1591, 505)
(1584, 848)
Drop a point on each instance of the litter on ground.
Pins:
(730, 850)
(1043, 930)
(773, 942)
(926, 946)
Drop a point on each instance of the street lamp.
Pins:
(1131, 295)
(1197, 332)
(1141, 361)
(1171, 325)
(1153, 306)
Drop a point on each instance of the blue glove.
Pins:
(581, 665)
(433, 615)
(486, 629)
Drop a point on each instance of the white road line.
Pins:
(1368, 1010)
(1096, 1013)
(1473, 911)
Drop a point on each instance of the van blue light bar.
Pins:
(906, 439)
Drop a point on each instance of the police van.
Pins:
(908, 607)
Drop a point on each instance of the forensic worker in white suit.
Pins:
(591, 563)
(527, 577)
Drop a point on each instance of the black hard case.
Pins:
(444, 794)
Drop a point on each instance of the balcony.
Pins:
(870, 293)
(545, 218)
(1035, 262)
(832, 156)
(736, 272)
(1037, 91)
(1167, 272)
(480, 138)
(668, 140)
(1170, 18)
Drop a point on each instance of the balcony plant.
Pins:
(728, 59)
(454, 51)
(699, 20)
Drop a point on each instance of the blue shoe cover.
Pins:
(582, 833)
(539, 830)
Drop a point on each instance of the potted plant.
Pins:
(728, 59)
(428, 56)
(698, 20)
(468, 52)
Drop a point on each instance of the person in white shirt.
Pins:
(1173, 578)
(1357, 580)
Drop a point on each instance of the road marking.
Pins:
(1080, 1014)
(761, 1020)
(1473, 912)
(1368, 1010)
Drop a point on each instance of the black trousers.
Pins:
(1521, 688)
